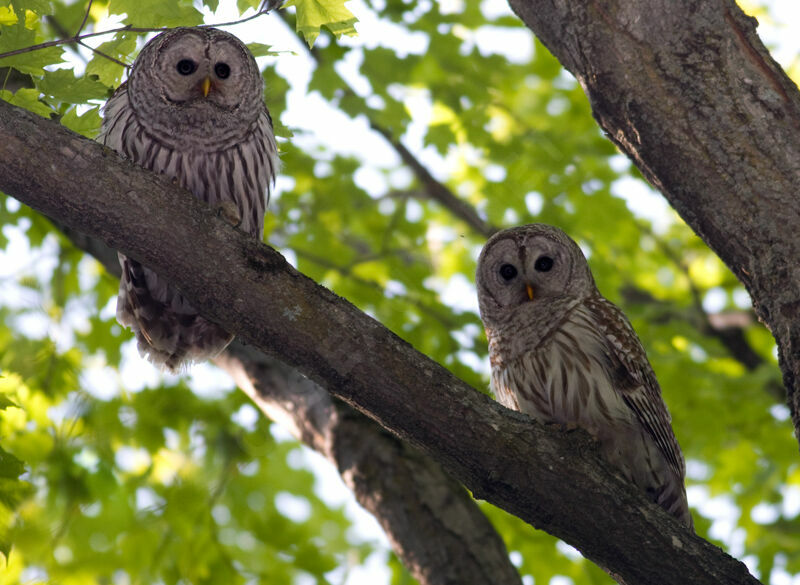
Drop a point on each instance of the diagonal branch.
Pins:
(435, 527)
(501, 456)
(731, 337)
(431, 187)
(434, 189)
(433, 524)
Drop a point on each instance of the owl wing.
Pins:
(635, 380)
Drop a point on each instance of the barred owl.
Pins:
(192, 109)
(561, 353)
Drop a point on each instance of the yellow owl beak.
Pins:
(206, 86)
(529, 290)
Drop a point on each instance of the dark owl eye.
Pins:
(507, 271)
(222, 70)
(543, 263)
(186, 67)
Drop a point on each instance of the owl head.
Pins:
(195, 80)
(528, 267)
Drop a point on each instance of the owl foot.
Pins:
(564, 427)
(229, 211)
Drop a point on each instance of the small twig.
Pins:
(433, 189)
(79, 38)
(102, 54)
(85, 18)
(74, 39)
(732, 338)
(677, 261)
(5, 80)
(268, 8)
(347, 271)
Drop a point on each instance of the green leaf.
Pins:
(107, 71)
(7, 16)
(10, 466)
(87, 123)
(157, 13)
(62, 85)
(28, 99)
(41, 7)
(262, 50)
(5, 402)
(18, 37)
(314, 14)
(66, 16)
(243, 5)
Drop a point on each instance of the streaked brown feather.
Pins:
(230, 159)
(570, 356)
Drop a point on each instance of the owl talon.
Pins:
(229, 211)
(563, 427)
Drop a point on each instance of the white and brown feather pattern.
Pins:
(562, 353)
(570, 378)
(219, 145)
(635, 379)
(224, 174)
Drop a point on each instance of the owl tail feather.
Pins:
(169, 332)
(177, 361)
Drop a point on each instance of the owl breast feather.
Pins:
(564, 379)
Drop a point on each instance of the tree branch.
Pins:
(502, 456)
(433, 524)
(413, 499)
(732, 338)
(79, 37)
(432, 188)
(687, 90)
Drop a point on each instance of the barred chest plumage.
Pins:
(192, 109)
(236, 168)
(561, 353)
(564, 378)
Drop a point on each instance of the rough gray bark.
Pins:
(503, 457)
(435, 527)
(688, 91)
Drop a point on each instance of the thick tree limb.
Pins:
(688, 91)
(553, 480)
(435, 527)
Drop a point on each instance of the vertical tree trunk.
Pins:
(687, 90)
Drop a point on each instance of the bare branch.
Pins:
(435, 190)
(75, 39)
(414, 500)
(732, 337)
(85, 18)
(102, 54)
(434, 525)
